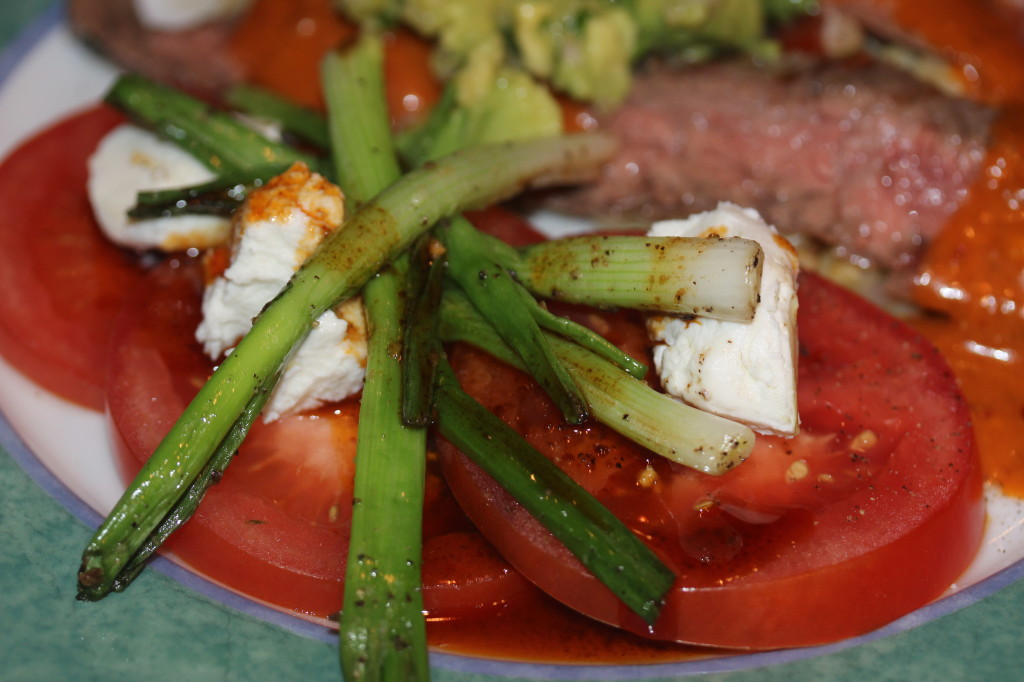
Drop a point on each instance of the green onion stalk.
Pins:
(496, 295)
(608, 549)
(382, 629)
(343, 263)
(668, 427)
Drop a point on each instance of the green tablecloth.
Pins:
(162, 631)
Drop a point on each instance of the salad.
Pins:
(163, 323)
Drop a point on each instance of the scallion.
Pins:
(472, 178)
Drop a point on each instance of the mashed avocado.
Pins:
(585, 49)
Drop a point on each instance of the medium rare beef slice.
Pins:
(196, 59)
(866, 159)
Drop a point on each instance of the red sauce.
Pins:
(972, 274)
(975, 36)
(281, 44)
(980, 38)
(540, 630)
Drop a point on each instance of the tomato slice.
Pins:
(280, 45)
(63, 281)
(276, 525)
(871, 512)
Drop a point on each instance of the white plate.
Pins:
(73, 462)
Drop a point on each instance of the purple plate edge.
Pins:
(22, 44)
(21, 454)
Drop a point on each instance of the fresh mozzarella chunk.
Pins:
(328, 366)
(741, 370)
(273, 234)
(130, 159)
(178, 15)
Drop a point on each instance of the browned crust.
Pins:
(198, 59)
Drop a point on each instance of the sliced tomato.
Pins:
(276, 526)
(872, 511)
(412, 89)
(280, 45)
(63, 282)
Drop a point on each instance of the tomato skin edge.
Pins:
(782, 622)
(774, 623)
(261, 530)
(822, 604)
(64, 281)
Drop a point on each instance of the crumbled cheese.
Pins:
(178, 15)
(273, 234)
(129, 160)
(329, 365)
(740, 370)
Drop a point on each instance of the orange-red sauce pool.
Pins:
(972, 277)
(973, 274)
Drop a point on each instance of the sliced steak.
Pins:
(864, 158)
(197, 60)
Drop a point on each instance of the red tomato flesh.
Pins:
(63, 282)
(276, 525)
(280, 46)
(871, 512)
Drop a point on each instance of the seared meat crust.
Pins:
(197, 60)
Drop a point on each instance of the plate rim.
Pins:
(11, 57)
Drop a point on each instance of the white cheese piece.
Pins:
(329, 365)
(178, 15)
(744, 371)
(130, 159)
(273, 234)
